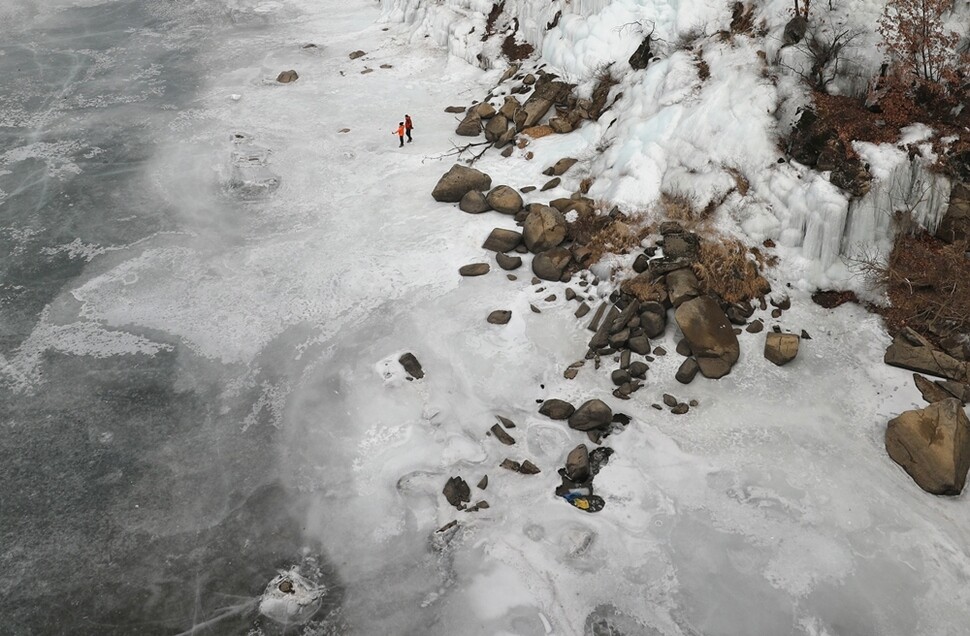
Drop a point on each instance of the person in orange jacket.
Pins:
(408, 126)
(400, 133)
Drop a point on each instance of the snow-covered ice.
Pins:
(218, 398)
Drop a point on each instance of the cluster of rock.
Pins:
(933, 444)
(593, 417)
(637, 312)
(501, 123)
(555, 243)
(456, 489)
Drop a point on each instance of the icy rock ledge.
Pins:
(291, 599)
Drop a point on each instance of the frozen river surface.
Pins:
(205, 285)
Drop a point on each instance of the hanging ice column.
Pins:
(900, 186)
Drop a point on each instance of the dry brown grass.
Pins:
(676, 207)
(645, 288)
(726, 267)
(617, 237)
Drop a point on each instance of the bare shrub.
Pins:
(927, 282)
(827, 52)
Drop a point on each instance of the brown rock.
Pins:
(560, 167)
(756, 326)
(473, 202)
(499, 317)
(496, 127)
(710, 336)
(933, 446)
(507, 262)
(470, 126)
(556, 409)
(544, 228)
(411, 365)
(639, 344)
(549, 265)
(455, 109)
(781, 348)
(577, 464)
(457, 492)
(550, 184)
(287, 76)
(930, 391)
(687, 371)
(356, 54)
(506, 422)
(501, 240)
(528, 468)
(504, 199)
(911, 351)
(484, 110)
(591, 414)
(682, 285)
(501, 435)
(458, 181)
(474, 269)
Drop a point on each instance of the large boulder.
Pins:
(591, 414)
(781, 348)
(470, 126)
(709, 335)
(458, 181)
(544, 228)
(504, 199)
(549, 265)
(912, 351)
(933, 446)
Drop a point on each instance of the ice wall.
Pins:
(901, 186)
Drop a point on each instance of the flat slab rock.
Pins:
(474, 269)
